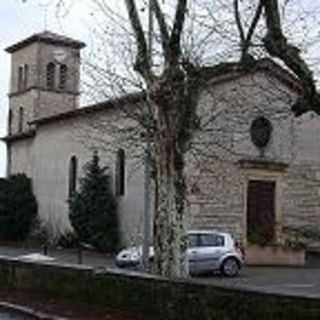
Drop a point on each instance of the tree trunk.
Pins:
(169, 224)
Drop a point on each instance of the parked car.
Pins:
(207, 251)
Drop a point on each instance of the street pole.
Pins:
(147, 211)
(147, 166)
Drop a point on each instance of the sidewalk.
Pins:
(69, 256)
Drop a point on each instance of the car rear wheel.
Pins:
(230, 267)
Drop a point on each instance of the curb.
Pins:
(29, 311)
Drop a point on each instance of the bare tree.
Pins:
(170, 90)
(277, 45)
(173, 99)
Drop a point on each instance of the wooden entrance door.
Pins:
(261, 211)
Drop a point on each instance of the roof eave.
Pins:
(19, 136)
(21, 44)
(133, 98)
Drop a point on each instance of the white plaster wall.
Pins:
(51, 150)
(27, 101)
(22, 157)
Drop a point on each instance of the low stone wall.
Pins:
(156, 297)
(274, 256)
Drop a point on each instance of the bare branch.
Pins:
(277, 45)
(142, 61)
(238, 22)
(162, 26)
(245, 39)
(253, 24)
(175, 39)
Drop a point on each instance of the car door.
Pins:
(192, 251)
(208, 252)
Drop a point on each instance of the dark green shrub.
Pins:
(93, 209)
(18, 208)
(68, 240)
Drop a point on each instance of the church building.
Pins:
(254, 172)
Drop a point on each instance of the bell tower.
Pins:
(45, 73)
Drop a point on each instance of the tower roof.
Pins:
(46, 37)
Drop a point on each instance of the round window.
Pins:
(260, 132)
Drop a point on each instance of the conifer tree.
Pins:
(93, 208)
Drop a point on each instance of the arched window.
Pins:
(120, 173)
(63, 76)
(25, 78)
(20, 78)
(73, 167)
(20, 124)
(10, 122)
(51, 74)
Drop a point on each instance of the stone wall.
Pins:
(218, 183)
(54, 102)
(28, 56)
(35, 99)
(155, 297)
(71, 60)
(302, 196)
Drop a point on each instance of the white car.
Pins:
(207, 251)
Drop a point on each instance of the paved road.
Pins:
(300, 281)
(288, 281)
(293, 281)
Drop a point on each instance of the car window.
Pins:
(192, 240)
(211, 240)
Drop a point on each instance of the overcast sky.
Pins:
(19, 19)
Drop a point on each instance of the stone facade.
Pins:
(219, 185)
(29, 92)
(218, 172)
